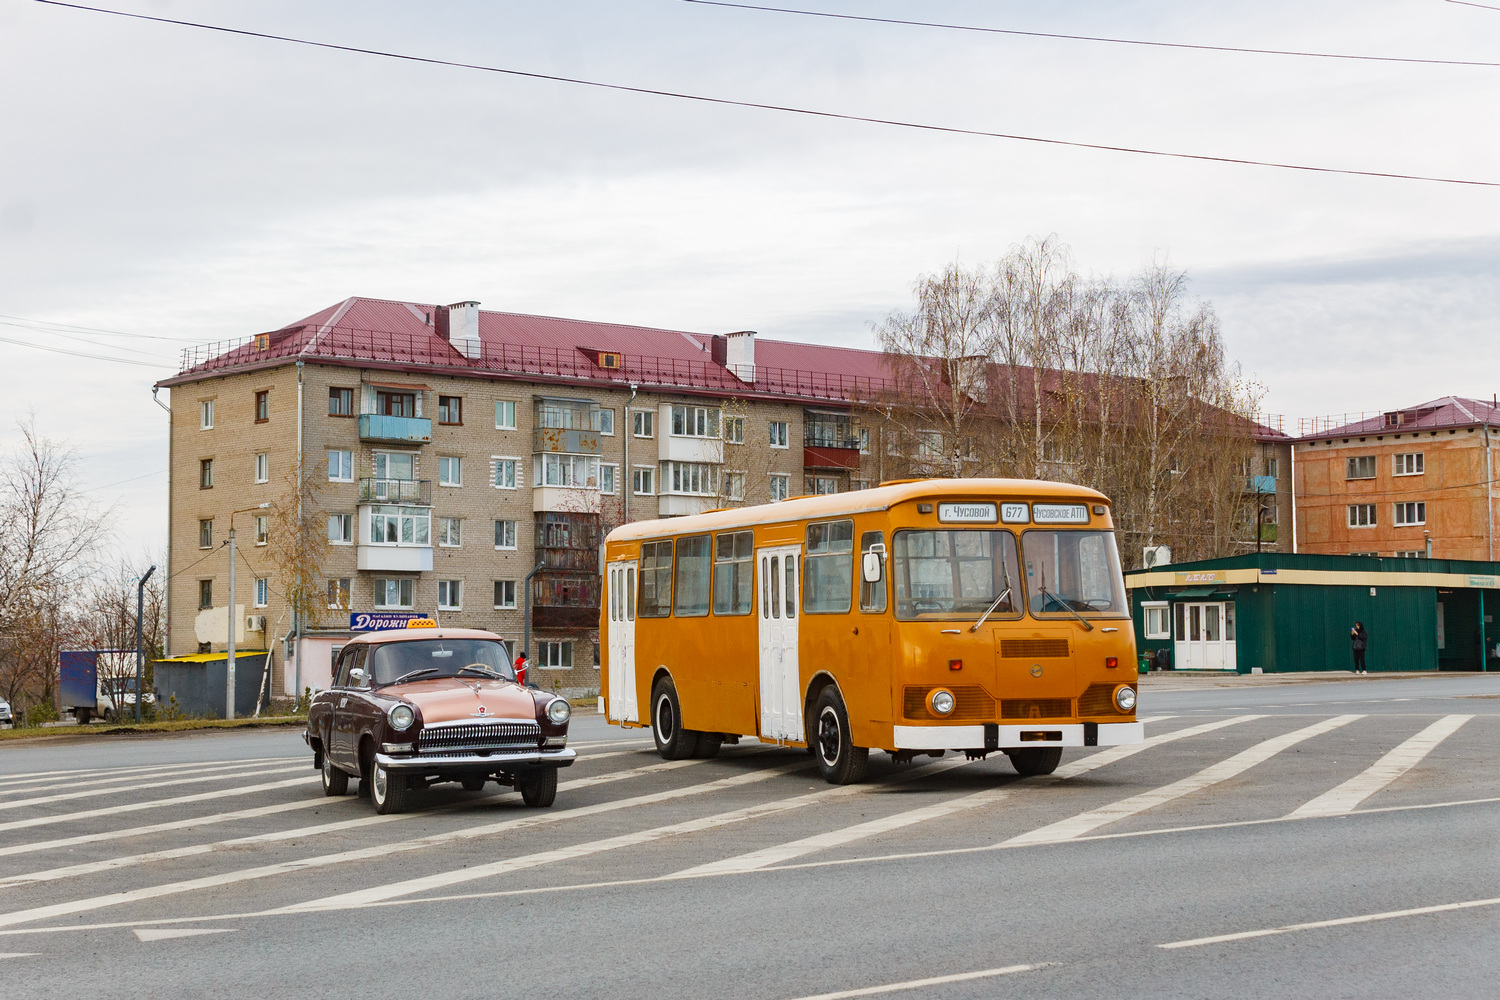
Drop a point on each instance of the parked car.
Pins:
(5, 714)
(410, 708)
(105, 705)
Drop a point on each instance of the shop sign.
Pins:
(379, 621)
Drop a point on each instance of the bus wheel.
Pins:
(672, 741)
(709, 744)
(841, 762)
(1029, 762)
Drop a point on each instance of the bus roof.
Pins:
(858, 502)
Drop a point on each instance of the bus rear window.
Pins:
(956, 574)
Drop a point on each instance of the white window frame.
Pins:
(262, 592)
(384, 456)
(205, 414)
(815, 486)
(1165, 610)
(447, 466)
(344, 587)
(602, 416)
(263, 467)
(780, 433)
(418, 515)
(649, 474)
(1411, 554)
(734, 429)
(1418, 508)
(1357, 511)
(862, 434)
(733, 484)
(512, 532)
(505, 408)
(697, 421)
(780, 483)
(572, 471)
(405, 588)
(1410, 463)
(262, 530)
(510, 482)
(549, 649)
(345, 462)
(609, 483)
(675, 474)
(450, 533)
(345, 529)
(643, 423)
(1273, 467)
(504, 586)
(447, 590)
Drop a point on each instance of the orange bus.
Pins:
(921, 616)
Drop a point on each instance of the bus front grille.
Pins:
(1099, 699)
(970, 702)
(1036, 708)
(1033, 649)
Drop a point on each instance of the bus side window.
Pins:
(656, 580)
(765, 589)
(791, 586)
(872, 596)
(775, 586)
(630, 594)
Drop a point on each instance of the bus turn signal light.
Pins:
(955, 664)
(1111, 661)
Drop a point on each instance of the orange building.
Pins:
(1414, 482)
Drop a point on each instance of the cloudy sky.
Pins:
(177, 185)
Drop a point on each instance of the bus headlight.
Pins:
(559, 711)
(1125, 699)
(402, 717)
(941, 701)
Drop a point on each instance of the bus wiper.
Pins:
(1066, 606)
(415, 673)
(991, 610)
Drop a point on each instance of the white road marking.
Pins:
(915, 984)
(1112, 754)
(1087, 822)
(19, 824)
(108, 773)
(195, 769)
(385, 850)
(1416, 911)
(195, 779)
(164, 933)
(1345, 797)
(18, 954)
(316, 830)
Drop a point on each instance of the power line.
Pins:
(81, 354)
(1102, 38)
(49, 325)
(122, 482)
(78, 337)
(808, 112)
(1467, 3)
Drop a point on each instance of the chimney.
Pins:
(739, 355)
(461, 320)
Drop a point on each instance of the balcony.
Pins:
(411, 492)
(841, 459)
(565, 600)
(566, 440)
(1260, 484)
(395, 558)
(395, 430)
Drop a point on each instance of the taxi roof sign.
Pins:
(421, 623)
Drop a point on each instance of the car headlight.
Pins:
(941, 701)
(1125, 699)
(559, 711)
(402, 717)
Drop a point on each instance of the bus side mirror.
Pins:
(871, 567)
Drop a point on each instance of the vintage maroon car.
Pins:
(413, 707)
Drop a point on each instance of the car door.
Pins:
(344, 711)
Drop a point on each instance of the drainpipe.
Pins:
(628, 473)
(526, 623)
(297, 618)
(1489, 495)
(1294, 496)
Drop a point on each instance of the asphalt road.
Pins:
(1305, 840)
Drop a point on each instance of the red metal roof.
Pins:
(1437, 414)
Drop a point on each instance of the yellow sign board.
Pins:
(1203, 576)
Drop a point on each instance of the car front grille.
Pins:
(472, 736)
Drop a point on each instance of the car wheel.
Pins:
(841, 762)
(709, 744)
(387, 789)
(472, 784)
(672, 741)
(1031, 762)
(538, 788)
(335, 781)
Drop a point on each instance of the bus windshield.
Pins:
(955, 574)
(1073, 571)
(424, 659)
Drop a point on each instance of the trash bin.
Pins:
(1145, 661)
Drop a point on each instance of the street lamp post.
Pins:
(140, 606)
(229, 646)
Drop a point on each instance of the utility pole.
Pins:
(140, 654)
(229, 646)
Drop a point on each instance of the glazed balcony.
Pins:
(395, 430)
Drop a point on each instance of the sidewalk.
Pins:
(1174, 680)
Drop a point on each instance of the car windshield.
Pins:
(1069, 571)
(439, 658)
(955, 574)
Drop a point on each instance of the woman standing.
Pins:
(1359, 640)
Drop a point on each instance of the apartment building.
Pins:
(1413, 482)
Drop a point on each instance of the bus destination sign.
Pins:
(379, 621)
(1060, 513)
(966, 513)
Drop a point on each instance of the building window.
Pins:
(607, 475)
(1361, 515)
(263, 468)
(400, 526)
(340, 467)
(1411, 554)
(643, 423)
(822, 486)
(395, 404)
(205, 534)
(1273, 467)
(505, 415)
(450, 532)
(1411, 513)
(262, 529)
(778, 434)
(394, 465)
(262, 406)
(781, 487)
(859, 484)
(1360, 467)
(505, 534)
(552, 655)
(206, 415)
(338, 594)
(393, 593)
(695, 421)
(1156, 625)
(450, 595)
(643, 481)
(503, 472)
(1409, 465)
(694, 478)
(604, 422)
(262, 592)
(734, 485)
(734, 430)
(573, 471)
(1372, 555)
(205, 594)
(450, 409)
(863, 436)
(205, 473)
(505, 593)
(341, 529)
(450, 471)
(340, 402)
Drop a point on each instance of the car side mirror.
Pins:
(871, 567)
(356, 676)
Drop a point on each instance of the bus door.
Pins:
(780, 683)
(622, 695)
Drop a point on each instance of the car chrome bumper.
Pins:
(495, 761)
(1009, 737)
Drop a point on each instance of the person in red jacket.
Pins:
(521, 668)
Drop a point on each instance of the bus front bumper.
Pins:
(1008, 737)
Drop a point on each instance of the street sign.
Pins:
(379, 621)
